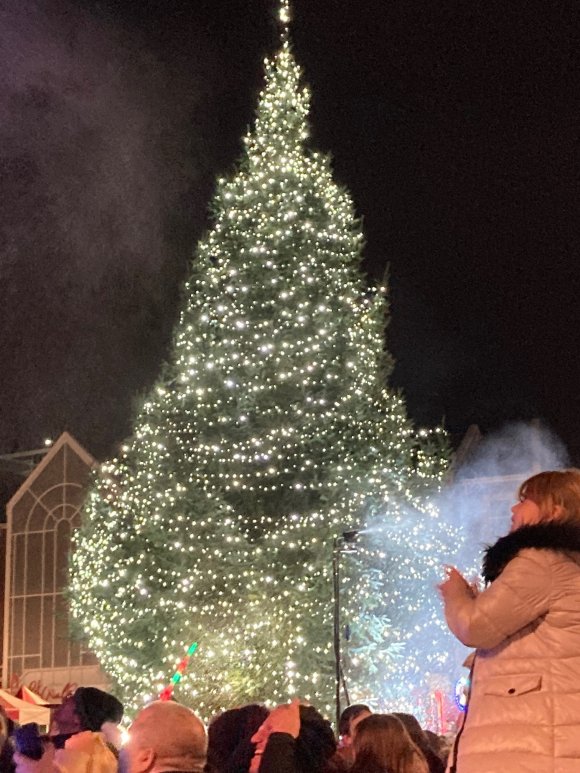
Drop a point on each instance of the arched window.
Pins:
(41, 518)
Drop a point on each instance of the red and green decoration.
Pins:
(167, 692)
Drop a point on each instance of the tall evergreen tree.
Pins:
(270, 430)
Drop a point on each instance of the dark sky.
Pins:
(454, 125)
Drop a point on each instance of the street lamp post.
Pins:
(342, 544)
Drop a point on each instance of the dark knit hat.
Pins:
(95, 707)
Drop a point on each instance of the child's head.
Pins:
(555, 492)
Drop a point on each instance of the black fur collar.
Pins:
(562, 536)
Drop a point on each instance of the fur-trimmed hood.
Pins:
(561, 536)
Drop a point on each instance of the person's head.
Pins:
(439, 744)
(96, 707)
(316, 743)
(349, 718)
(88, 708)
(381, 743)
(547, 496)
(65, 719)
(165, 736)
(421, 740)
(230, 747)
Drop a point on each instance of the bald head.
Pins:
(166, 736)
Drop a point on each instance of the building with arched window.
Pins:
(38, 648)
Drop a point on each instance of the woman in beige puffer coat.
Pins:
(523, 714)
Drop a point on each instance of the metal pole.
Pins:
(344, 687)
(336, 621)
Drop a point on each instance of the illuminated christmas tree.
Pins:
(270, 430)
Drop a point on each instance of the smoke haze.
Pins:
(473, 511)
(484, 487)
(98, 147)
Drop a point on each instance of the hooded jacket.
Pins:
(524, 708)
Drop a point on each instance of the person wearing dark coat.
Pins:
(295, 739)
(230, 748)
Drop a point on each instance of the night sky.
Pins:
(455, 127)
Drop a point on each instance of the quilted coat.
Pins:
(524, 708)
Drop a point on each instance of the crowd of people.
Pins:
(167, 737)
(523, 711)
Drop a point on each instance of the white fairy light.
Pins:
(269, 431)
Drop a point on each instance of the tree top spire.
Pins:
(284, 17)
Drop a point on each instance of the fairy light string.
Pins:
(270, 429)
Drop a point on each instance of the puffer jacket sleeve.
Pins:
(516, 598)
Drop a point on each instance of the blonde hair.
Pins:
(554, 489)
